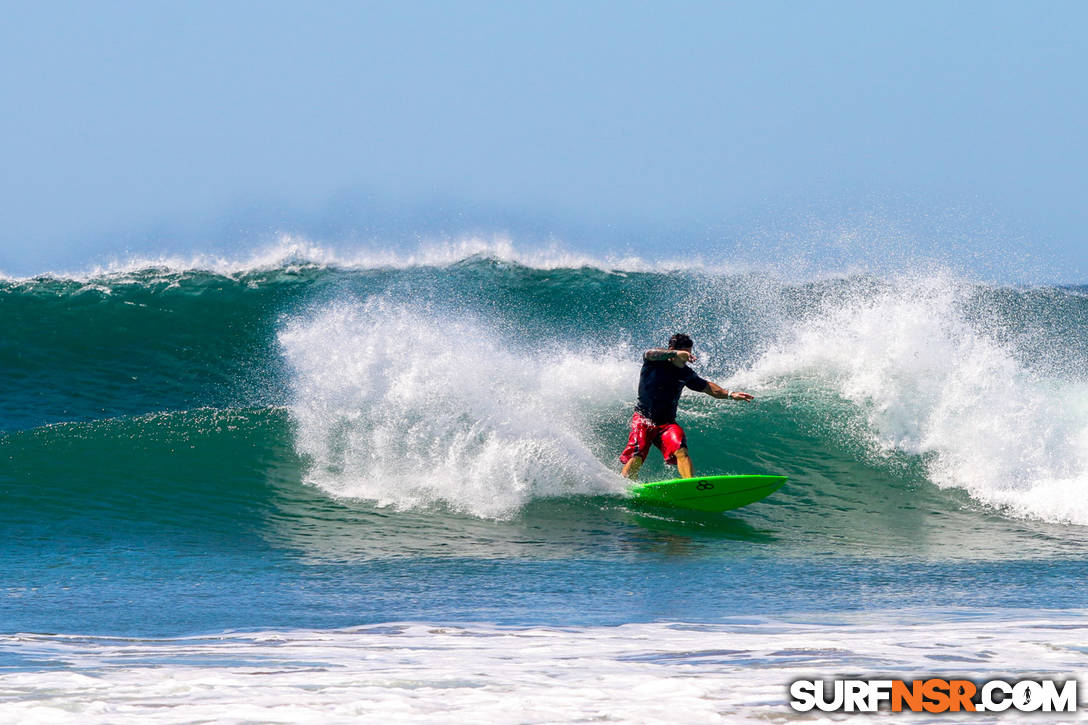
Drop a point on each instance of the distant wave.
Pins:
(291, 252)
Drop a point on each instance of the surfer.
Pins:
(664, 376)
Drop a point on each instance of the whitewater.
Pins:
(316, 485)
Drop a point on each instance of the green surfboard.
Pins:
(707, 493)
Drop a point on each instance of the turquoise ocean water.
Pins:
(340, 489)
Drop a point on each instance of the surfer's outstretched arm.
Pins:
(716, 391)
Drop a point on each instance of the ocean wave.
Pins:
(484, 385)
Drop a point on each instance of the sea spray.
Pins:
(929, 382)
(411, 407)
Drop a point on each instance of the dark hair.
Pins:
(680, 341)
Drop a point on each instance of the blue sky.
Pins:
(137, 128)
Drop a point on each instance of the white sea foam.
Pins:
(929, 382)
(735, 671)
(411, 407)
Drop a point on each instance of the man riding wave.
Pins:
(664, 376)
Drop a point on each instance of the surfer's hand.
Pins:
(684, 356)
(738, 395)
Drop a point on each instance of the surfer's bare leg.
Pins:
(630, 469)
(683, 463)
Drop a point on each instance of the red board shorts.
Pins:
(669, 438)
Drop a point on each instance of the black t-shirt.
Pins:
(659, 386)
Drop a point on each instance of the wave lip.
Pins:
(293, 252)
